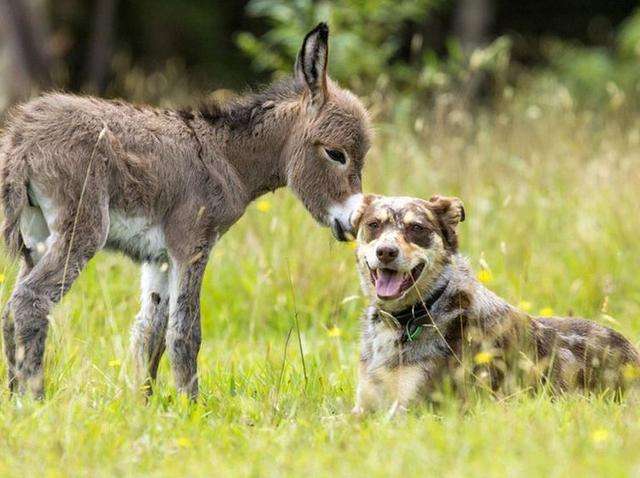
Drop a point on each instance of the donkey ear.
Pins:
(356, 217)
(450, 209)
(311, 64)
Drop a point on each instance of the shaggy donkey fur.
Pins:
(431, 321)
(80, 174)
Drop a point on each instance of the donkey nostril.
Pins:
(386, 254)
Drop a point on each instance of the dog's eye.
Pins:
(416, 227)
(373, 225)
(336, 155)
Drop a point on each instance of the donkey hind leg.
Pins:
(35, 234)
(150, 327)
(8, 332)
(85, 232)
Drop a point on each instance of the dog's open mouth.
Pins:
(391, 284)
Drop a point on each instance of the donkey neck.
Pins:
(257, 151)
(250, 135)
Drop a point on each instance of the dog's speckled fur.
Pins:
(478, 337)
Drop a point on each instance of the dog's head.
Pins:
(403, 244)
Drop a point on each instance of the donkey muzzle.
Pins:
(340, 218)
(340, 233)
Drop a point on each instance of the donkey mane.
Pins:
(243, 111)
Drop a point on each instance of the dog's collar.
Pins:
(415, 317)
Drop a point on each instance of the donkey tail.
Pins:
(13, 193)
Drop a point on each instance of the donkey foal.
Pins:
(81, 174)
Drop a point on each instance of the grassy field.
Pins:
(552, 200)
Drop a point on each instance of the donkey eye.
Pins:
(336, 155)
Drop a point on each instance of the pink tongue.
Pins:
(389, 283)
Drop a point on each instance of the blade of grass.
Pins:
(297, 325)
(280, 377)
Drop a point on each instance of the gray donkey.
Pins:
(81, 174)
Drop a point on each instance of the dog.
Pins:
(431, 322)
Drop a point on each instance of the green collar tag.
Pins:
(415, 333)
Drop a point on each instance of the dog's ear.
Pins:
(358, 214)
(450, 209)
(450, 212)
(311, 64)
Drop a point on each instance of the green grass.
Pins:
(552, 208)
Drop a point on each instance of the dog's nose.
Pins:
(386, 254)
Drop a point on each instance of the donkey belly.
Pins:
(137, 237)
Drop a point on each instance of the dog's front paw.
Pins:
(397, 409)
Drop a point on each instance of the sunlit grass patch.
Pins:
(550, 226)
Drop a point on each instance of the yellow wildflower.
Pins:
(114, 363)
(482, 358)
(334, 332)
(599, 436)
(524, 305)
(183, 442)
(263, 205)
(546, 312)
(485, 276)
(353, 245)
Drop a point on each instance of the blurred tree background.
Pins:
(403, 56)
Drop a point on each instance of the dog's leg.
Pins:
(150, 327)
(409, 380)
(183, 332)
(368, 392)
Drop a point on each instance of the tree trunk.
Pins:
(100, 51)
(25, 34)
(472, 22)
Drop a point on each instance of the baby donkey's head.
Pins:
(326, 151)
(403, 244)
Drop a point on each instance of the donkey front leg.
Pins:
(183, 332)
(150, 327)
